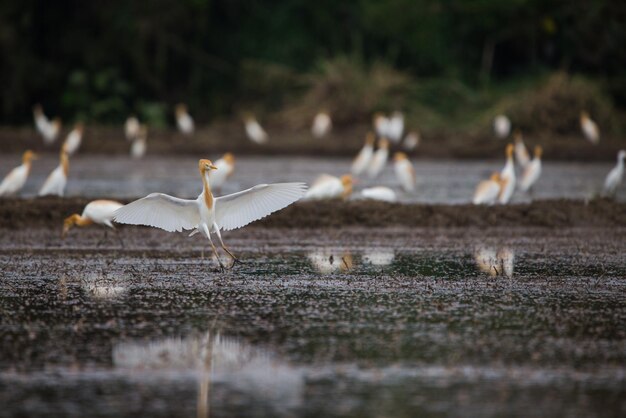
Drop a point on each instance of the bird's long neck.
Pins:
(208, 195)
(83, 221)
(65, 163)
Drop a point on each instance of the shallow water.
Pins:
(377, 322)
(438, 181)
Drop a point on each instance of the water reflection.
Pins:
(104, 287)
(495, 262)
(327, 261)
(228, 363)
(379, 257)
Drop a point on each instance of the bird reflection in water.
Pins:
(495, 262)
(329, 261)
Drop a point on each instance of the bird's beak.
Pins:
(212, 167)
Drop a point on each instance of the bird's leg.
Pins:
(219, 236)
(104, 238)
(208, 235)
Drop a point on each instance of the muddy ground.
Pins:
(18, 213)
(339, 322)
(346, 141)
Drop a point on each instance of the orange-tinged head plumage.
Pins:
(346, 180)
(495, 177)
(383, 143)
(509, 150)
(57, 122)
(538, 151)
(181, 109)
(79, 126)
(28, 156)
(205, 165)
(399, 156)
(229, 158)
(584, 115)
(370, 138)
(68, 223)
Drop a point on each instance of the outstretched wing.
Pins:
(239, 209)
(161, 211)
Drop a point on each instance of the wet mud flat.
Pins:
(351, 322)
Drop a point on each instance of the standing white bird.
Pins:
(208, 214)
(382, 193)
(15, 180)
(184, 121)
(396, 127)
(330, 187)
(532, 171)
(225, 167)
(96, 212)
(412, 140)
(57, 179)
(362, 160)
(615, 176)
(255, 131)
(381, 125)
(502, 126)
(379, 160)
(404, 172)
(521, 153)
(74, 138)
(590, 128)
(508, 177)
(49, 130)
(487, 191)
(131, 128)
(322, 124)
(140, 143)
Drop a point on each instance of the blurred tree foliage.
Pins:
(103, 60)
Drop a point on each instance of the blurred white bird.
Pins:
(184, 121)
(521, 153)
(502, 126)
(330, 187)
(98, 211)
(49, 130)
(411, 141)
(379, 159)
(208, 214)
(255, 131)
(382, 193)
(508, 177)
(57, 180)
(225, 167)
(140, 143)
(131, 128)
(495, 264)
(74, 138)
(487, 191)
(381, 125)
(615, 176)
(362, 160)
(589, 128)
(322, 124)
(396, 127)
(404, 172)
(16, 178)
(532, 171)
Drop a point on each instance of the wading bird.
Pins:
(396, 127)
(49, 130)
(615, 176)
(404, 172)
(532, 171)
(411, 141)
(57, 180)
(382, 193)
(254, 130)
(131, 128)
(15, 180)
(521, 153)
(379, 159)
(330, 187)
(508, 177)
(225, 167)
(140, 143)
(381, 125)
(208, 214)
(322, 124)
(184, 121)
(589, 128)
(97, 212)
(362, 160)
(74, 138)
(487, 191)
(502, 126)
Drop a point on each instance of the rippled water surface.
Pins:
(438, 181)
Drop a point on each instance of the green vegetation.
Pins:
(446, 63)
